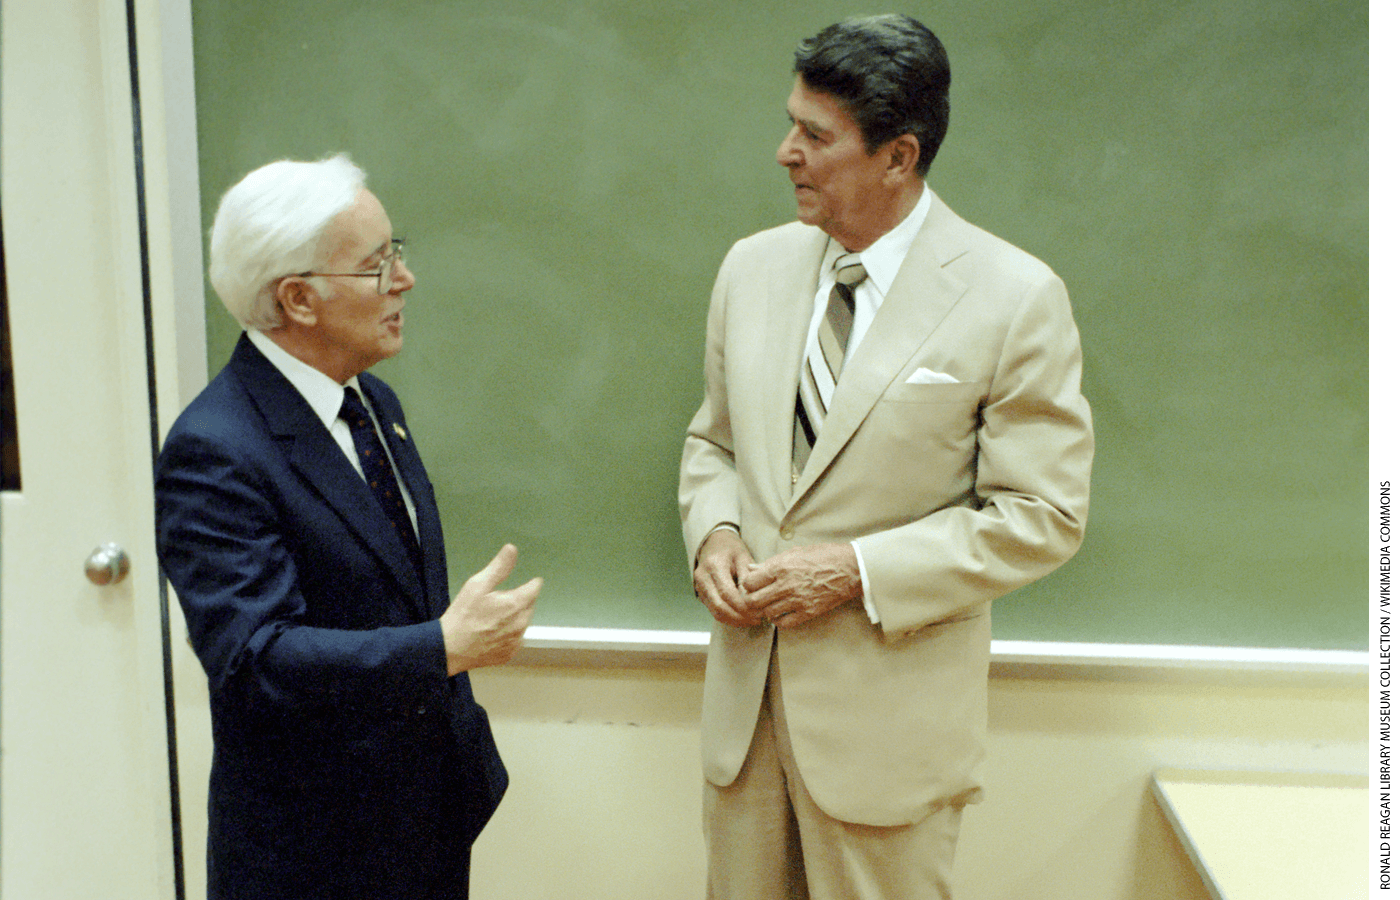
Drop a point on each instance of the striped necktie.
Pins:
(379, 472)
(822, 367)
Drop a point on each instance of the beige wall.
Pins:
(605, 794)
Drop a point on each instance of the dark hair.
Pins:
(890, 72)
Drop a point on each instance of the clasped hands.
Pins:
(789, 589)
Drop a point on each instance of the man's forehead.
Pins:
(361, 230)
(816, 108)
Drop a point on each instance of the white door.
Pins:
(85, 787)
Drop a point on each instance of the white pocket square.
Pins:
(928, 376)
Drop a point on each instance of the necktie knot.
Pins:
(352, 409)
(849, 270)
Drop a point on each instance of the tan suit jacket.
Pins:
(954, 493)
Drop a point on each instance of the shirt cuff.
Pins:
(865, 588)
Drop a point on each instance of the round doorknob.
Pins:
(108, 564)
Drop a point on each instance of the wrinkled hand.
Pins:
(722, 561)
(800, 584)
(483, 626)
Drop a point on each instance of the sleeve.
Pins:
(1030, 501)
(226, 550)
(709, 482)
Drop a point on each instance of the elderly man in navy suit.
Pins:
(300, 531)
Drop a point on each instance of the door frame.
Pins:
(133, 150)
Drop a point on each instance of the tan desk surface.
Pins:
(1270, 835)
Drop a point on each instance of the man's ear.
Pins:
(903, 157)
(298, 300)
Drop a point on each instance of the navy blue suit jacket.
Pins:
(346, 763)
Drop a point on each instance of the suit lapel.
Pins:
(790, 292)
(919, 299)
(315, 455)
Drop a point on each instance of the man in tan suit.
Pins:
(892, 436)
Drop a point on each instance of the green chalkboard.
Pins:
(569, 175)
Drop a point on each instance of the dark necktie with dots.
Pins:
(379, 472)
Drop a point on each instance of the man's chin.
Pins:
(390, 347)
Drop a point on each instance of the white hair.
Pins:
(270, 225)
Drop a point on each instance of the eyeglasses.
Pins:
(384, 271)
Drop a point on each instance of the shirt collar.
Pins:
(883, 258)
(319, 390)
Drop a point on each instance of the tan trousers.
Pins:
(767, 839)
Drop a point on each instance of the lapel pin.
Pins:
(398, 429)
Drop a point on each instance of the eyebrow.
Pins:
(808, 125)
(377, 251)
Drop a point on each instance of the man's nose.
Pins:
(403, 277)
(787, 153)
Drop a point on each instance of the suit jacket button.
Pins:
(422, 710)
(785, 532)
